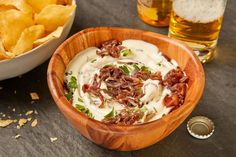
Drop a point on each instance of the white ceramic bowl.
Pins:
(29, 60)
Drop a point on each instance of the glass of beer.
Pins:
(198, 23)
(155, 12)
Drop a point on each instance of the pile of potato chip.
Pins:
(25, 24)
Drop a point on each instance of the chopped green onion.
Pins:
(126, 52)
(80, 100)
(84, 110)
(72, 85)
(111, 114)
(124, 69)
(144, 68)
(143, 109)
(110, 89)
(136, 67)
(69, 96)
(155, 109)
(94, 60)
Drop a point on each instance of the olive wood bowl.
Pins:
(134, 137)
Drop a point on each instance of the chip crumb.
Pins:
(20, 114)
(53, 139)
(17, 136)
(13, 109)
(3, 115)
(15, 120)
(34, 123)
(34, 96)
(1, 88)
(14, 91)
(5, 123)
(29, 119)
(36, 112)
(18, 127)
(29, 112)
(22, 122)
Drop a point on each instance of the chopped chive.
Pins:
(111, 114)
(110, 89)
(155, 109)
(80, 100)
(69, 96)
(143, 109)
(84, 110)
(94, 60)
(135, 65)
(124, 69)
(126, 52)
(145, 68)
(72, 84)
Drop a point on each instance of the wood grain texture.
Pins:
(125, 138)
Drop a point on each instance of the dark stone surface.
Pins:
(218, 101)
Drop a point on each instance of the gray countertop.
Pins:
(218, 101)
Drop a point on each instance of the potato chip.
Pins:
(38, 5)
(27, 38)
(54, 34)
(3, 53)
(20, 5)
(64, 2)
(6, 7)
(53, 16)
(12, 23)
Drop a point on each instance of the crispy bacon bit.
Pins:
(111, 47)
(144, 75)
(172, 100)
(173, 77)
(156, 76)
(125, 117)
(177, 83)
(180, 89)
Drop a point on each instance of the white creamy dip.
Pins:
(86, 64)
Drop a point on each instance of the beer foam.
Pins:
(199, 11)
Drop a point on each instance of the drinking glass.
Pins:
(198, 23)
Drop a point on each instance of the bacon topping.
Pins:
(111, 47)
(125, 117)
(177, 83)
(122, 88)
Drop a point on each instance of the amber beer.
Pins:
(198, 23)
(155, 12)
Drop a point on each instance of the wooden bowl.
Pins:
(125, 138)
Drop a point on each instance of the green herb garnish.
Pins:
(69, 95)
(126, 52)
(80, 100)
(84, 110)
(143, 109)
(144, 68)
(136, 67)
(124, 69)
(110, 89)
(72, 84)
(94, 60)
(111, 114)
(155, 109)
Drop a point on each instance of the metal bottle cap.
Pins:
(200, 127)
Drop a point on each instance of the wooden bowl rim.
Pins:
(62, 102)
